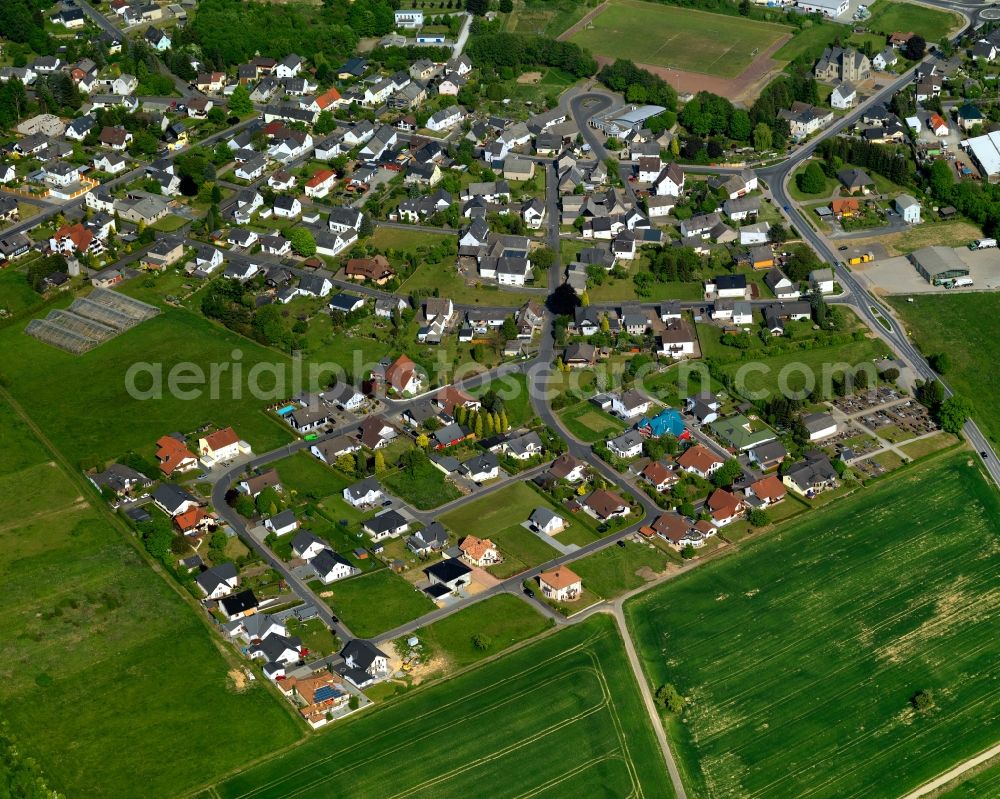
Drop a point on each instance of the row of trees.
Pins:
(638, 85)
(516, 50)
(978, 200)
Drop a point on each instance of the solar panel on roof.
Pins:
(325, 692)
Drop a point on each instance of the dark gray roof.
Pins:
(212, 578)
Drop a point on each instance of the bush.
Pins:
(669, 698)
(922, 701)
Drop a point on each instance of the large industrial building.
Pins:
(938, 264)
(623, 120)
(985, 152)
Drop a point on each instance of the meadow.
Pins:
(559, 717)
(371, 604)
(499, 516)
(931, 23)
(964, 326)
(504, 620)
(799, 654)
(105, 652)
(686, 39)
(82, 401)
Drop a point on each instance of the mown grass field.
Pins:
(503, 619)
(964, 326)
(684, 38)
(107, 674)
(800, 653)
(371, 604)
(499, 516)
(615, 570)
(82, 402)
(930, 23)
(560, 717)
(589, 423)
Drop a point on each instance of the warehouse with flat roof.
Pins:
(621, 121)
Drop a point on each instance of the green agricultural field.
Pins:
(964, 326)
(560, 717)
(615, 570)
(685, 39)
(503, 619)
(499, 512)
(930, 23)
(589, 423)
(371, 604)
(102, 420)
(767, 374)
(107, 653)
(800, 653)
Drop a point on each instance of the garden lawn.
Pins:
(423, 486)
(513, 390)
(799, 653)
(308, 477)
(615, 570)
(494, 514)
(589, 423)
(388, 238)
(102, 649)
(503, 619)
(371, 604)
(81, 401)
(559, 717)
(444, 277)
(810, 41)
(16, 296)
(686, 39)
(521, 550)
(964, 326)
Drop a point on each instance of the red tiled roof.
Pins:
(770, 488)
(698, 457)
(221, 438)
(560, 577)
(399, 372)
(170, 453)
(320, 177)
(327, 98)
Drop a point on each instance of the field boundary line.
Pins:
(943, 779)
(563, 777)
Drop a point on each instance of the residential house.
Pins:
(627, 445)
(174, 456)
(451, 574)
(543, 520)
(218, 581)
(605, 505)
(387, 524)
(560, 584)
(480, 552)
(811, 475)
(819, 425)
(700, 461)
(172, 499)
(768, 490)
(282, 523)
(330, 567)
(364, 663)
(364, 493)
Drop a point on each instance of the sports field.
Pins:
(800, 653)
(106, 673)
(677, 38)
(561, 717)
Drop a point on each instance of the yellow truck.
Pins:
(864, 258)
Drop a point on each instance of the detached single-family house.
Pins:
(282, 523)
(479, 552)
(218, 581)
(560, 584)
(365, 492)
(545, 521)
(700, 461)
(387, 524)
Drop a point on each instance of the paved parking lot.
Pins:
(898, 276)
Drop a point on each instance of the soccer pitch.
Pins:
(677, 38)
(560, 717)
(800, 654)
